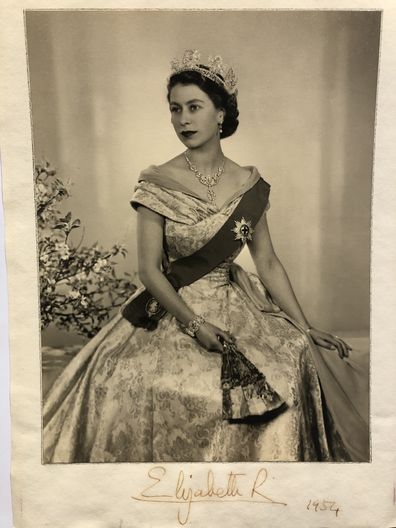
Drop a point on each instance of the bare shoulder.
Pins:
(174, 166)
(239, 173)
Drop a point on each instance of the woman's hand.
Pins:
(207, 335)
(331, 342)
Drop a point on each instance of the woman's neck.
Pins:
(207, 159)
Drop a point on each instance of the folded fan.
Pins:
(246, 392)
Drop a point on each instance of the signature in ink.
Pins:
(238, 487)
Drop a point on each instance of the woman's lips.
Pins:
(188, 133)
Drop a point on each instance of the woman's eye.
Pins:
(174, 109)
(194, 107)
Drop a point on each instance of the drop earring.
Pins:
(220, 128)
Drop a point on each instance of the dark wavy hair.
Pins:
(217, 94)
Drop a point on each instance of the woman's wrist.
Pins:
(192, 327)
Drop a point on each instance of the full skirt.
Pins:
(132, 395)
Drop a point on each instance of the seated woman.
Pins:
(223, 365)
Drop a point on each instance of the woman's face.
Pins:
(194, 116)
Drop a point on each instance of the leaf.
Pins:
(103, 289)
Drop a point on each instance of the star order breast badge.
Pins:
(243, 230)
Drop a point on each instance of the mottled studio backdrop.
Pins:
(307, 89)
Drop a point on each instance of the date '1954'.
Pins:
(323, 505)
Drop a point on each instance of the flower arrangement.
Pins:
(79, 286)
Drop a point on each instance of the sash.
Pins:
(144, 311)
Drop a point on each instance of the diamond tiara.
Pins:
(215, 67)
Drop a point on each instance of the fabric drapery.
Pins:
(345, 382)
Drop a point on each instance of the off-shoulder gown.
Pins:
(136, 395)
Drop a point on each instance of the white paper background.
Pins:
(91, 495)
(5, 439)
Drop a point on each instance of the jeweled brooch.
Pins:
(152, 307)
(243, 230)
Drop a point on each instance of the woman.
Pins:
(138, 394)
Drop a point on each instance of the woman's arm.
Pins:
(276, 280)
(150, 240)
(273, 274)
(150, 229)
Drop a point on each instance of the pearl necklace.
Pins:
(210, 180)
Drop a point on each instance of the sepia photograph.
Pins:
(203, 194)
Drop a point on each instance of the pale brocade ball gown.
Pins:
(133, 395)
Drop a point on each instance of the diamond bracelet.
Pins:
(193, 326)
